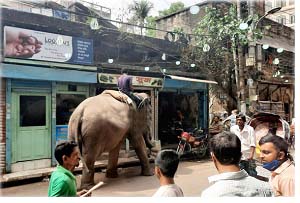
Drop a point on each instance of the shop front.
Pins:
(41, 91)
(183, 104)
(38, 105)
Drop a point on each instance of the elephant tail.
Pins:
(78, 138)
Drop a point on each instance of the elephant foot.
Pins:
(111, 174)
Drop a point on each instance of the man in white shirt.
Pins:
(225, 150)
(230, 120)
(248, 142)
(166, 164)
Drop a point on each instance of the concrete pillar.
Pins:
(252, 53)
(2, 125)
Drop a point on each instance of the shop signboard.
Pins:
(136, 80)
(61, 133)
(37, 45)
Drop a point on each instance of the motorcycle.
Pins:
(193, 143)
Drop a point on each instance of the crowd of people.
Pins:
(234, 134)
(232, 154)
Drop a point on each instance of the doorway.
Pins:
(31, 130)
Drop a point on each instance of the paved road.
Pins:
(191, 176)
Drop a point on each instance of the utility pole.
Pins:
(253, 57)
(241, 95)
(255, 53)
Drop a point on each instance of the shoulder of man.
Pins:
(264, 187)
(59, 185)
(215, 190)
(249, 127)
(234, 127)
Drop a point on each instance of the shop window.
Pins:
(72, 88)
(65, 105)
(32, 111)
(268, 5)
(280, 3)
(281, 19)
(292, 19)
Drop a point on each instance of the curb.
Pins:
(45, 172)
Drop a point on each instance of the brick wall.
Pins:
(2, 125)
(182, 19)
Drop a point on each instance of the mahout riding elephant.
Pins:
(101, 124)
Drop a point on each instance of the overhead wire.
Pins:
(120, 22)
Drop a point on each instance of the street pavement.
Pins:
(191, 177)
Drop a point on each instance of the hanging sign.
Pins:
(136, 80)
(36, 45)
(250, 61)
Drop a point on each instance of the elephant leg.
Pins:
(111, 171)
(87, 179)
(140, 149)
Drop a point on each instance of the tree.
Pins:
(174, 7)
(141, 10)
(150, 22)
(219, 29)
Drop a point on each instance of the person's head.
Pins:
(225, 149)
(179, 115)
(166, 163)
(225, 114)
(67, 154)
(273, 151)
(125, 83)
(128, 81)
(234, 112)
(215, 119)
(240, 120)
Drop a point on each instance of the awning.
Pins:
(174, 77)
(277, 43)
(50, 74)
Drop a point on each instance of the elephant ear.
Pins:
(145, 102)
(145, 99)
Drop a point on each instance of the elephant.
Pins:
(101, 123)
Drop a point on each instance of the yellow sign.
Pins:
(136, 80)
(250, 61)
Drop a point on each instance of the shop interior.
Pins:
(177, 112)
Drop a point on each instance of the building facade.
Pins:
(261, 80)
(286, 15)
(70, 63)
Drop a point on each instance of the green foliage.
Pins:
(150, 22)
(174, 7)
(178, 30)
(219, 28)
